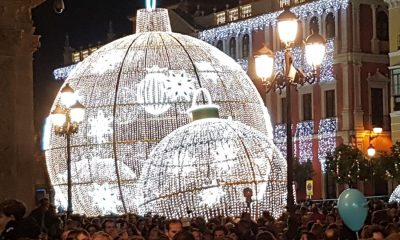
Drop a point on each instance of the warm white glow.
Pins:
(223, 157)
(264, 66)
(287, 30)
(68, 99)
(58, 119)
(377, 130)
(315, 54)
(143, 96)
(395, 196)
(77, 114)
(371, 151)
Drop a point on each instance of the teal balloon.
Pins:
(353, 208)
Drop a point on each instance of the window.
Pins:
(246, 11)
(314, 25)
(307, 107)
(283, 110)
(396, 88)
(85, 53)
(76, 57)
(234, 14)
(232, 48)
(377, 106)
(284, 2)
(330, 104)
(220, 18)
(382, 26)
(220, 45)
(246, 46)
(330, 26)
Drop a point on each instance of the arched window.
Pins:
(220, 45)
(314, 25)
(246, 46)
(382, 26)
(330, 26)
(232, 48)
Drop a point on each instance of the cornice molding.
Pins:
(393, 3)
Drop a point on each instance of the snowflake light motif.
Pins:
(106, 62)
(179, 86)
(225, 154)
(212, 195)
(105, 198)
(100, 126)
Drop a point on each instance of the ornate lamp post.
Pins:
(66, 118)
(314, 50)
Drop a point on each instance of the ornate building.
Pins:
(353, 94)
(394, 54)
(17, 45)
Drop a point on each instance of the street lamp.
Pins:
(372, 135)
(264, 61)
(66, 118)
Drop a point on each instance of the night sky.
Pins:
(86, 22)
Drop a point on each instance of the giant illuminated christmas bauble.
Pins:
(203, 169)
(136, 90)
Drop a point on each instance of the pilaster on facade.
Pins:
(374, 41)
(346, 114)
(356, 26)
(393, 3)
(344, 37)
(358, 109)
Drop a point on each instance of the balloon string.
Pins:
(358, 238)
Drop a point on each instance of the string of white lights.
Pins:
(326, 139)
(303, 141)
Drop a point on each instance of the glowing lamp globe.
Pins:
(136, 90)
(206, 167)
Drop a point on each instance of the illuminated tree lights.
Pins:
(202, 168)
(395, 196)
(136, 90)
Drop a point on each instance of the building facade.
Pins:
(353, 94)
(394, 54)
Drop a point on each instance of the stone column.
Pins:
(346, 97)
(344, 37)
(374, 40)
(358, 111)
(337, 26)
(356, 27)
(17, 44)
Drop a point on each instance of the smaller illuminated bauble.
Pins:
(204, 167)
(395, 197)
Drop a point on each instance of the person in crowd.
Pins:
(13, 225)
(183, 235)
(219, 233)
(197, 234)
(78, 234)
(172, 227)
(101, 235)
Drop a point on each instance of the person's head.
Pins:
(11, 209)
(91, 228)
(307, 236)
(377, 233)
(172, 227)
(265, 235)
(183, 235)
(219, 232)
(78, 234)
(197, 234)
(44, 203)
(100, 235)
(330, 218)
(109, 226)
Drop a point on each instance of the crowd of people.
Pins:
(310, 221)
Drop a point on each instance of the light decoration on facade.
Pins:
(299, 62)
(395, 196)
(280, 138)
(326, 139)
(303, 140)
(244, 63)
(126, 94)
(258, 23)
(224, 156)
(62, 73)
